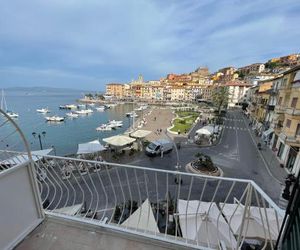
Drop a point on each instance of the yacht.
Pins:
(71, 106)
(72, 115)
(54, 118)
(43, 110)
(4, 108)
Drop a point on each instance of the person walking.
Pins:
(161, 152)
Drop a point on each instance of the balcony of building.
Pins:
(67, 203)
(293, 111)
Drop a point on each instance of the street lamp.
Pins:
(177, 157)
(39, 137)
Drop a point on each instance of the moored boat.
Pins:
(43, 110)
(54, 118)
(72, 115)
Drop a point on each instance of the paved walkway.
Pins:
(270, 158)
(158, 119)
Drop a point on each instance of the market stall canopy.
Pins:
(22, 157)
(206, 130)
(203, 222)
(142, 219)
(140, 133)
(90, 147)
(119, 140)
(258, 220)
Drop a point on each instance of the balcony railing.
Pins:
(183, 208)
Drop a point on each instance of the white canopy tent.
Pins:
(140, 133)
(142, 219)
(90, 147)
(268, 132)
(119, 140)
(258, 221)
(203, 222)
(206, 130)
(22, 157)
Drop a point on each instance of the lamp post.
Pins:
(39, 136)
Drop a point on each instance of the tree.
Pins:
(220, 97)
(89, 96)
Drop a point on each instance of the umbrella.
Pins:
(142, 218)
(206, 130)
(203, 222)
(119, 140)
(256, 224)
(140, 133)
(90, 147)
(23, 157)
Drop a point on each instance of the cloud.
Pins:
(97, 41)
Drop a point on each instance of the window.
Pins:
(288, 123)
(280, 100)
(294, 102)
(298, 130)
(280, 150)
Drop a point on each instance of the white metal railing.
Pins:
(177, 207)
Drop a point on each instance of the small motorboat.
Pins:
(84, 111)
(100, 108)
(72, 115)
(12, 114)
(133, 115)
(43, 110)
(104, 127)
(116, 123)
(54, 118)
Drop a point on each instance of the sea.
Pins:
(64, 136)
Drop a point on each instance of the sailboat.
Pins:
(4, 108)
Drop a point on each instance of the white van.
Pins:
(155, 148)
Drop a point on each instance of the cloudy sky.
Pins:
(84, 44)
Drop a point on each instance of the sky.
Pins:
(86, 44)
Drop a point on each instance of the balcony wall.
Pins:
(20, 204)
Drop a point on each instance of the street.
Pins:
(236, 154)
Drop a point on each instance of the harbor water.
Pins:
(64, 136)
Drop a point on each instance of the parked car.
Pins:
(156, 147)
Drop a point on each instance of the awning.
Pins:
(142, 219)
(22, 157)
(206, 130)
(119, 140)
(268, 132)
(203, 222)
(90, 147)
(258, 220)
(140, 133)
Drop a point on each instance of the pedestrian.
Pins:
(161, 152)
(160, 131)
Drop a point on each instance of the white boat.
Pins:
(4, 108)
(84, 111)
(71, 106)
(81, 106)
(111, 105)
(100, 108)
(141, 108)
(91, 104)
(115, 123)
(133, 114)
(43, 110)
(104, 127)
(130, 114)
(72, 115)
(54, 118)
